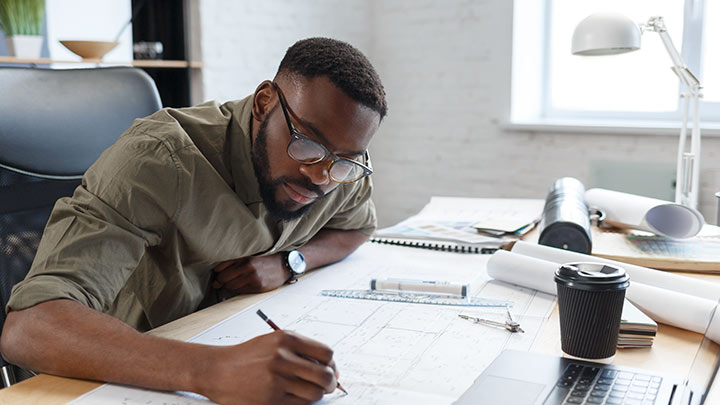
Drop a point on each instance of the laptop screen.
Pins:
(704, 370)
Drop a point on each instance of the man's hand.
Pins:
(251, 274)
(278, 368)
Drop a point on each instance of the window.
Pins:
(637, 87)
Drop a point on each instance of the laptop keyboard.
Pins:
(593, 385)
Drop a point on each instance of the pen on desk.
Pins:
(419, 286)
(274, 326)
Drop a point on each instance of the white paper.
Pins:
(386, 352)
(673, 308)
(676, 308)
(522, 270)
(661, 279)
(121, 394)
(660, 217)
(450, 219)
(471, 210)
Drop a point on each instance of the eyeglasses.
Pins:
(308, 152)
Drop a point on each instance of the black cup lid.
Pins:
(592, 276)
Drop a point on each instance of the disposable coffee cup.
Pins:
(590, 301)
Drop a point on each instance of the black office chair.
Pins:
(53, 125)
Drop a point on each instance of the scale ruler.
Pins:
(416, 298)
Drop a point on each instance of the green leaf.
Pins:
(21, 17)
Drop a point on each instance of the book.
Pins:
(446, 223)
(697, 254)
(498, 227)
(636, 328)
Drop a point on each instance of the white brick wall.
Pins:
(446, 69)
(243, 41)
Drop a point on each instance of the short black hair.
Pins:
(343, 64)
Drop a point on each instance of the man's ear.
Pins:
(263, 101)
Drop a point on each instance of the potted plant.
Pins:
(21, 21)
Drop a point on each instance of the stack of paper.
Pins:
(636, 328)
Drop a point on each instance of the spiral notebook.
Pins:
(446, 224)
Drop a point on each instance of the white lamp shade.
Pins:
(605, 34)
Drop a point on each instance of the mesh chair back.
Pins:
(22, 221)
(53, 125)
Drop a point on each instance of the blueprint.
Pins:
(386, 352)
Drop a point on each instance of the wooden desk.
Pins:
(674, 350)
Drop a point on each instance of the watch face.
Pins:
(296, 261)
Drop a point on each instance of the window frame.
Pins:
(544, 113)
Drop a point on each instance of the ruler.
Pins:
(416, 298)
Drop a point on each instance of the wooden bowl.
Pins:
(90, 49)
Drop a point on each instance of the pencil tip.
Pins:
(340, 387)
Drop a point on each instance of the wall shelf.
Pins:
(150, 63)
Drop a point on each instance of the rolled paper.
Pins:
(673, 308)
(524, 271)
(661, 279)
(677, 308)
(660, 217)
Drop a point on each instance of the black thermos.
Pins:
(566, 222)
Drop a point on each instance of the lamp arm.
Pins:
(688, 161)
(686, 76)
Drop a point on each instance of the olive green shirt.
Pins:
(173, 197)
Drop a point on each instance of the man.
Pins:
(197, 203)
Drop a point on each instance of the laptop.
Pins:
(524, 378)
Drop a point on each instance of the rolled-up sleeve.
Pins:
(95, 239)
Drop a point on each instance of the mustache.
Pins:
(304, 183)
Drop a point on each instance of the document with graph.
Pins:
(387, 352)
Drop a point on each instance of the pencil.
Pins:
(274, 326)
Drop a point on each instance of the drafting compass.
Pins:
(509, 324)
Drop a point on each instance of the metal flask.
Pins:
(566, 221)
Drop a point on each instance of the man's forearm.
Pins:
(265, 273)
(65, 338)
(331, 245)
(96, 347)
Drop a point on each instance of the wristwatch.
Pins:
(295, 263)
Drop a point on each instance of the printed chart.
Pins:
(386, 352)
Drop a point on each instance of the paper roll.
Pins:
(660, 217)
(656, 278)
(673, 308)
(524, 271)
(683, 310)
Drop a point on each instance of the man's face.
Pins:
(321, 112)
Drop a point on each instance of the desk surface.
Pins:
(674, 349)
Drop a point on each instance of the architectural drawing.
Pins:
(386, 352)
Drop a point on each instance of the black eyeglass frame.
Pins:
(295, 135)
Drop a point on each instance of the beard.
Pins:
(269, 186)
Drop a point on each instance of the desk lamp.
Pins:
(611, 33)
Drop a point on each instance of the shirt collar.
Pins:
(240, 150)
